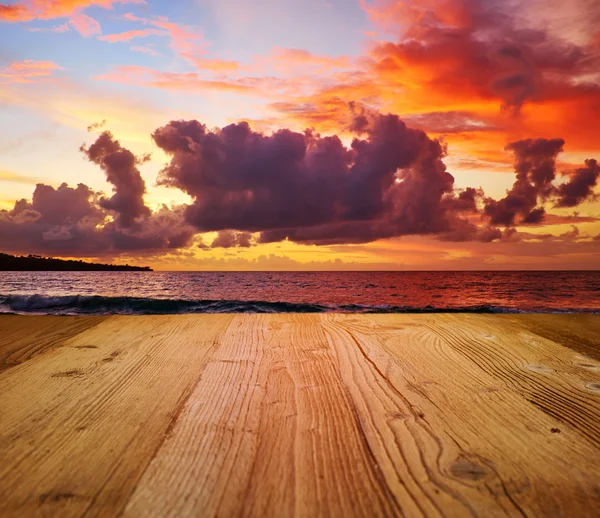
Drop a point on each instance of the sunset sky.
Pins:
(301, 135)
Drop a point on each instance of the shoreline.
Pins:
(287, 414)
(100, 305)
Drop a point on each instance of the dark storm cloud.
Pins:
(535, 166)
(81, 222)
(58, 220)
(120, 166)
(464, 200)
(72, 222)
(230, 239)
(252, 188)
(535, 216)
(310, 188)
(581, 185)
(391, 181)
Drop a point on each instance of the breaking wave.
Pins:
(100, 305)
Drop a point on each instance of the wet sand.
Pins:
(300, 415)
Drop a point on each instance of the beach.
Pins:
(300, 415)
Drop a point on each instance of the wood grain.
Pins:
(301, 415)
(80, 424)
(19, 341)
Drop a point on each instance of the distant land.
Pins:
(35, 263)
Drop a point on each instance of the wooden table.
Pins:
(300, 415)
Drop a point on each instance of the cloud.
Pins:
(189, 81)
(13, 13)
(451, 122)
(229, 239)
(390, 182)
(56, 28)
(289, 60)
(50, 9)
(466, 68)
(76, 221)
(256, 188)
(85, 25)
(581, 185)
(7, 176)
(120, 166)
(96, 126)
(28, 71)
(144, 50)
(129, 35)
(535, 166)
(479, 49)
(187, 41)
(217, 65)
(313, 189)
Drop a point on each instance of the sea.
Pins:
(99, 293)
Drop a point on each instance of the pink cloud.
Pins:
(129, 35)
(186, 41)
(142, 76)
(85, 25)
(133, 18)
(144, 50)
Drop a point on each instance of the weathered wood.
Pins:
(302, 415)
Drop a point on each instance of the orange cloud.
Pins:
(49, 9)
(468, 72)
(14, 13)
(217, 65)
(27, 71)
(298, 57)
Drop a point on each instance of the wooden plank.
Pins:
(269, 431)
(20, 341)
(578, 332)
(548, 375)
(445, 405)
(79, 424)
(303, 415)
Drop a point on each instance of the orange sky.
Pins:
(473, 75)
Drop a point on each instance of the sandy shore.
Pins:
(300, 415)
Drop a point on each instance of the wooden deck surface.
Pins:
(300, 415)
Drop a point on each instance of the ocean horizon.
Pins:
(160, 292)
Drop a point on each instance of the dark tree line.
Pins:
(36, 263)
